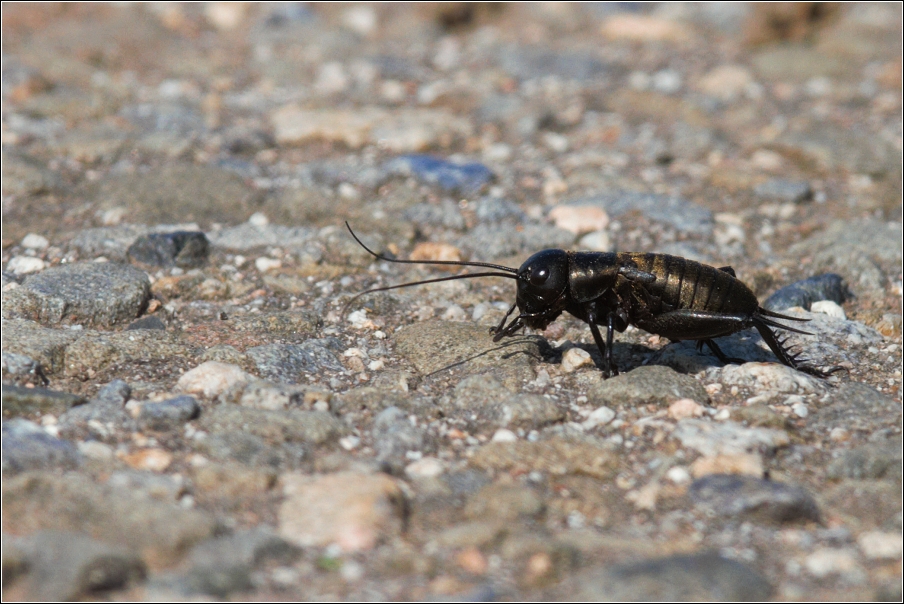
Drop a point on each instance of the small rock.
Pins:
(645, 385)
(147, 323)
(556, 456)
(504, 436)
(152, 460)
(288, 362)
(828, 307)
(394, 436)
(182, 248)
(90, 293)
(729, 438)
(426, 467)
(66, 566)
(282, 426)
(504, 502)
(596, 241)
(169, 414)
(643, 28)
(435, 251)
(683, 577)
(598, 417)
(735, 495)
(680, 214)
(574, 358)
(25, 265)
(877, 545)
(265, 264)
(684, 408)
(464, 179)
(33, 241)
(352, 510)
(829, 286)
(830, 561)
(749, 464)
(785, 190)
(32, 401)
(579, 219)
(26, 446)
(761, 377)
(726, 82)
(212, 379)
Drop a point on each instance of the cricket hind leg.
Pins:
(795, 361)
(726, 360)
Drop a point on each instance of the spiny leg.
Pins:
(791, 360)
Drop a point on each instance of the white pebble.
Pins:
(376, 365)
(678, 475)
(454, 313)
(259, 219)
(598, 417)
(504, 436)
(597, 241)
(800, 410)
(574, 358)
(827, 307)
(33, 241)
(878, 545)
(24, 265)
(212, 379)
(722, 414)
(93, 449)
(827, 561)
(349, 442)
(360, 19)
(427, 467)
(265, 264)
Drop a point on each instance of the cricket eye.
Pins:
(539, 277)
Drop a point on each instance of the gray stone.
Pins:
(556, 456)
(445, 214)
(26, 446)
(109, 242)
(778, 189)
(184, 249)
(685, 577)
(433, 346)
(222, 566)
(289, 362)
(169, 414)
(21, 365)
(45, 345)
(36, 401)
(873, 460)
(650, 384)
(248, 236)
(367, 398)
(491, 400)
(855, 407)
(102, 415)
(161, 531)
(747, 497)
(90, 293)
(66, 566)
(177, 193)
(504, 502)
(728, 438)
(151, 322)
(252, 450)
(680, 214)
(489, 241)
(394, 436)
(455, 178)
(313, 427)
(807, 291)
(95, 351)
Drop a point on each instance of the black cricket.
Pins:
(670, 296)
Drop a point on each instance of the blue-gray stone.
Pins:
(287, 362)
(168, 414)
(185, 249)
(804, 293)
(785, 190)
(150, 322)
(26, 446)
(465, 179)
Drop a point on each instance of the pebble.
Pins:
(596, 241)
(830, 308)
(556, 456)
(27, 446)
(737, 495)
(88, 293)
(645, 385)
(353, 511)
(749, 464)
(68, 566)
(770, 377)
(292, 425)
(247, 236)
(878, 545)
(151, 460)
(503, 502)
(681, 577)
(426, 467)
(573, 358)
(726, 82)
(435, 251)
(33, 241)
(463, 179)
(401, 130)
(147, 323)
(486, 396)
(212, 379)
(804, 293)
(679, 213)
(265, 265)
(25, 265)
(504, 436)
(184, 249)
(579, 219)
(685, 408)
(827, 561)
(169, 414)
(711, 439)
(288, 362)
(643, 28)
(394, 436)
(786, 191)
(598, 417)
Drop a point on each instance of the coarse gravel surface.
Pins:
(196, 405)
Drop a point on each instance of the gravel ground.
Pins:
(191, 411)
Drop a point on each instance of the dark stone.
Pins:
(185, 249)
(27, 401)
(687, 577)
(168, 414)
(807, 291)
(28, 447)
(465, 179)
(733, 495)
(151, 322)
